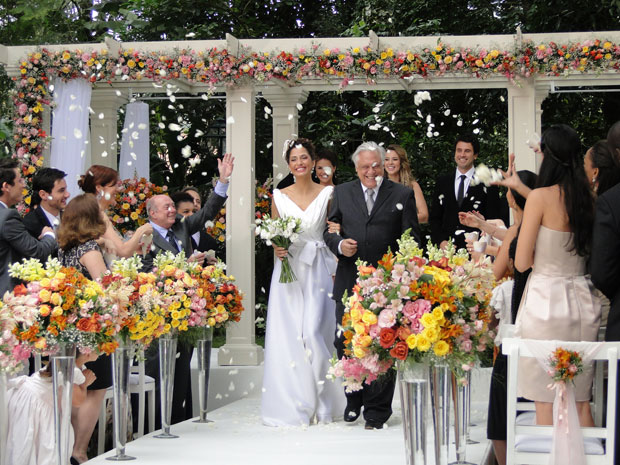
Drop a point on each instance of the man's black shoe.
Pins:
(352, 413)
(373, 424)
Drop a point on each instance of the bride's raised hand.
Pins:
(281, 252)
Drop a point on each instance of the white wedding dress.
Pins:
(301, 324)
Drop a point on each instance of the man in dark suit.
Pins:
(454, 193)
(173, 232)
(605, 256)
(15, 242)
(372, 213)
(49, 196)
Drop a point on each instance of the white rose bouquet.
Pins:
(281, 232)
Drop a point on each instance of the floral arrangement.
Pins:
(564, 365)
(12, 351)
(129, 212)
(220, 299)
(134, 299)
(58, 304)
(262, 202)
(415, 309)
(217, 66)
(282, 232)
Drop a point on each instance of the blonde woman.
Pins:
(398, 170)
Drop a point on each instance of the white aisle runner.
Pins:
(237, 437)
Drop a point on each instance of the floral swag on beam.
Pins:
(217, 67)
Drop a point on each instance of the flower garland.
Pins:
(217, 67)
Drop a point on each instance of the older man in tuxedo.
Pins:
(173, 233)
(372, 212)
(454, 193)
(15, 242)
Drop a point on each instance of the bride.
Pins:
(301, 315)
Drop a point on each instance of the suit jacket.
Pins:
(35, 221)
(605, 256)
(393, 213)
(16, 243)
(444, 214)
(183, 229)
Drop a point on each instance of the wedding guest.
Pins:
(30, 411)
(325, 167)
(300, 324)
(82, 225)
(555, 240)
(173, 233)
(195, 194)
(604, 263)
(502, 267)
(49, 199)
(370, 223)
(398, 170)
(102, 182)
(454, 193)
(15, 241)
(601, 169)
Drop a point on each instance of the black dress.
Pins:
(498, 395)
(102, 367)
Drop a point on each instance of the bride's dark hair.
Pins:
(563, 165)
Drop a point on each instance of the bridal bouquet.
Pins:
(58, 305)
(282, 232)
(564, 364)
(413, 308)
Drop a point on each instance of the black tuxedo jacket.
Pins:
(16, 243)
(183, 229)
(393, 213)
(605, 257)
(35, 221)
(444, 214)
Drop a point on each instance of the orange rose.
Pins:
(387, 337)
(400, 351)
(403, 333)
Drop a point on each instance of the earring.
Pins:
(593, 179)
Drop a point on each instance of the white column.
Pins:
(104, 146)
(240, 347)
(524, 122)
(285, 116)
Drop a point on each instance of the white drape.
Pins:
(135, 143)
(70, 129)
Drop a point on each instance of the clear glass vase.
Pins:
(459, 395)
(63, 364)
(413, 387)
(4, 421)
(167, 360)
(121, 370)
(440, 386)
(204, 345)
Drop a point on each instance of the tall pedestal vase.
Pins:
(440, 376)
(460, 422)
(121, 366)
(167, 360)
(4, 421)
(413, 387)
(204, 345)
(467, 420)
(63, 364)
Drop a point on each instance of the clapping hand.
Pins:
(471, 219)
(225, 167)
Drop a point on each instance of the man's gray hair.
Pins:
(150, 206)
(368, 147)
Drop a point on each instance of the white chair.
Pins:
(139, 384)
(531, 444)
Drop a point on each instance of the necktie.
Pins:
(370, 200)
(461, 194)
(173, 240)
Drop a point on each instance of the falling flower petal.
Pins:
(186, 151)
(230, 120)
(77, 133)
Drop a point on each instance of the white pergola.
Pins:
(525, 97)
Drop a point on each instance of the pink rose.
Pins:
(387, 318)
(466, 345)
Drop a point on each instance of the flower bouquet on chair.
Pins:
(282, 232)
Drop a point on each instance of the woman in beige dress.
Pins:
(558, 302)
(398, 170)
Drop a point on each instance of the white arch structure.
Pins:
(525, 96)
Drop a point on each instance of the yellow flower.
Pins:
(268, 66)
(57, 311)
(479, 63)
(44, 310)
(369, 318)
(431, 333)
(383, 55)
(441, 348)
(542, 47)
(447, 60)
(585, 50)
(423, 343)
(327, 52)
(365, 341)
(66, 55)
(379, 62)
(55, 299)
(438, 313)
(439, 48)
(366, 66)
(44, 295)
(608, 56)
(125, 206)
(356, 313)
(607, 45)
(356, 50)
(412, 341)
(359, 328)
(359, 352)
(175, 315)
(40, 344)
(410, 56)
(134, 216)
(175, 323)
(131, 64)
(390, 52)
(428, 320)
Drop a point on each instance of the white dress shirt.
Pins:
(457, 181)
